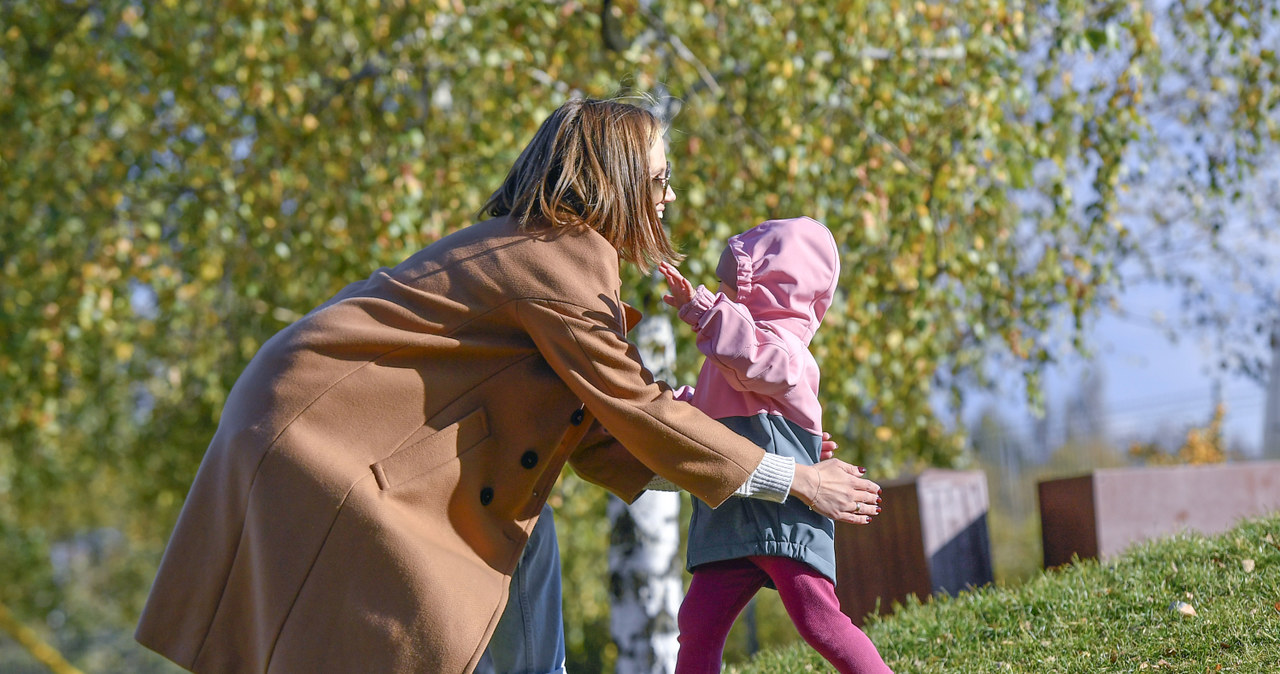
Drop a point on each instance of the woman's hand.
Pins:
(681, 289)
(836, 489)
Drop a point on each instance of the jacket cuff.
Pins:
(692, 311)
(771, 480)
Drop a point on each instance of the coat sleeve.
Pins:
(673, 439)
(753, 356)
(601, 460)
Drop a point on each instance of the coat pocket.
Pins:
(432, 451)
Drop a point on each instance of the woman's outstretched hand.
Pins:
(681, 289)
(836, 489)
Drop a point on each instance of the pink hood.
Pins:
(757, 351)
(787, 273)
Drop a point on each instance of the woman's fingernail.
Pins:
(878, 500)
(877, 510)
(861, 469)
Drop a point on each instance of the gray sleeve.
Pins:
(771, 480)
(659, 483)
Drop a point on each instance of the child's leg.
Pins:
(810, 600)
(716, 596)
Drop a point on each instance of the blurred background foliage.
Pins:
(181, 179)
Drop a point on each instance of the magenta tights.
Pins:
(720, 590)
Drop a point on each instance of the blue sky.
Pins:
(1151, 384)
(1152, 388)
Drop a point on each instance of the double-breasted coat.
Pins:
(380, 462)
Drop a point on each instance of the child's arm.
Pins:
(752, 355)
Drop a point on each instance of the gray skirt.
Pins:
(743, 527)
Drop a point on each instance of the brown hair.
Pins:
(588, 166)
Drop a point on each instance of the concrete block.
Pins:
(931, 537)
(1101, 514)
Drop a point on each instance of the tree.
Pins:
(645, 587)
(180, 180)
(1200, 190)
(908, 131)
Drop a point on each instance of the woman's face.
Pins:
(659, 174)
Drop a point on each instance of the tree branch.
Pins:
(610, 33)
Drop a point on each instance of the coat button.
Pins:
(578, 416)
(529, 459)
(486, 496)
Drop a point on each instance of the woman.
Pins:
(380, 463)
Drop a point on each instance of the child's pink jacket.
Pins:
(787, 273)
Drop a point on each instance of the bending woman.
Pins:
(380, 463)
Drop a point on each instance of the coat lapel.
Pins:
(630, 317)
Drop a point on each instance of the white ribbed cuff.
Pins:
(659, 483)
(771, 480)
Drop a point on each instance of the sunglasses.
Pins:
(664, 181)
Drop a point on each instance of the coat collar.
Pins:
(631, 317)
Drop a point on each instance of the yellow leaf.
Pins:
(210, 271)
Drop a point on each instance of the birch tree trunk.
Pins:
(645, 587)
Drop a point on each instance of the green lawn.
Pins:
(1120, 616)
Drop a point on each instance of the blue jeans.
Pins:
(529, 638)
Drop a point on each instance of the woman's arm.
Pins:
(668, 437)
(671, 438)
(601, 460)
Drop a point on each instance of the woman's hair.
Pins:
(588, 165)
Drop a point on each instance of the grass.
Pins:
(1117, 616)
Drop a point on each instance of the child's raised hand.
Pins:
(681, 289)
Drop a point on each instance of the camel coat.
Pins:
(379, 464)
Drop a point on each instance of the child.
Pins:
(759, 379)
